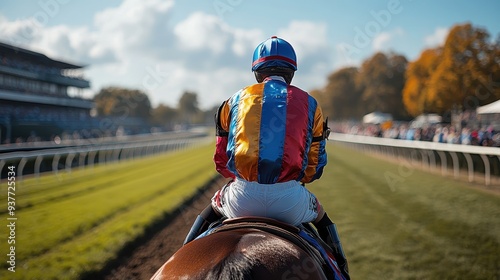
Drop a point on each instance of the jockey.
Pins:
(271, 139)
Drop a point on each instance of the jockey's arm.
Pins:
(317, 156)
(221, 133)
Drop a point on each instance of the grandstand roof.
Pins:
(492, 108)
(34, 57)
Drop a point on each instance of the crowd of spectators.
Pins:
(437, 132)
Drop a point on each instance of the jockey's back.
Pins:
(271, 128)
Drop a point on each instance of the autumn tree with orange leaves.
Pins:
(416, 87)
(463, 74)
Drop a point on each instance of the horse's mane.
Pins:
(235, 266)
(257, 246)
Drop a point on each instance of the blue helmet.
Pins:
(274, 52)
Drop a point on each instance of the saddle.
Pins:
(281, 229)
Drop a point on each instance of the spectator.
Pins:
(465, 136)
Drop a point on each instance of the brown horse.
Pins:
(241, 253)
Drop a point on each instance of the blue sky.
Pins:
(165, 47)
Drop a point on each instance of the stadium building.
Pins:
(36, 97)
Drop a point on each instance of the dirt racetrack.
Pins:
(142, 260)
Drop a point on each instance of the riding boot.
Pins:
(330, 235)
(206, 217)
(199, 226)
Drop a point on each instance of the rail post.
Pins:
(38, 163)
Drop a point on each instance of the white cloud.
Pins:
(437, 38)
(245, 41)
(309, 39)
(205, 32)
(60, 42)
(382, 41)
(314, 53)
(202, 31)
(136, 45)
(19, 32)
(135, 25)
(77, 45)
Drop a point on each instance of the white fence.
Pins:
(474, 159)
(54, 160)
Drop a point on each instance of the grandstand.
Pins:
(35, 104)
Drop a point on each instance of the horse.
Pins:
(243, 252)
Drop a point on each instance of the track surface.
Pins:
(144, 261)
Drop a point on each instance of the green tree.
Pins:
(340, 99)
(381, 80)
(188, 107)
(123, 103)
(323, 101)
(164, 116)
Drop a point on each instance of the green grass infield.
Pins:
(399, 222)
(76, 222)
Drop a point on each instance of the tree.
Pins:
(188, 106)
(465, 76)
(122, 102)
(417, 75)
(340, 99)
(164, 116)
(381, 80)
(323, 101)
